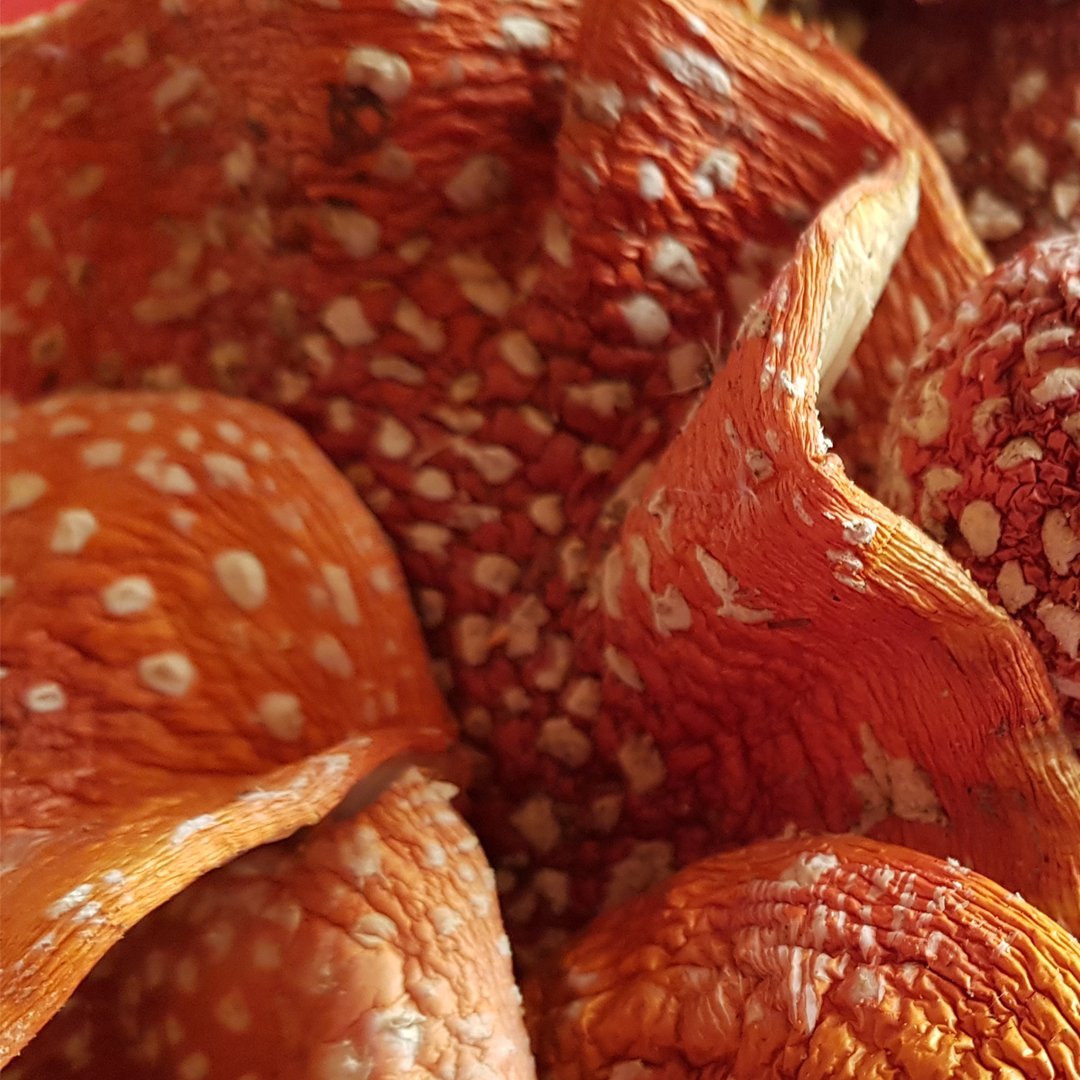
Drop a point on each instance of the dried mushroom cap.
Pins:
(198, 614)
(997, 87)
(499, 374)
(941, 259)
(865, 680)
(984, 442)
(369, 947)
(838, 957)
(394, 244)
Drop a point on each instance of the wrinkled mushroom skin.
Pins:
(839, 957)
(198, 615)
(401, 212)
(984, 447)
(997, 86)
(256, 233)
(771, 630)
(369, 947)
(500, 371)
(941, 259)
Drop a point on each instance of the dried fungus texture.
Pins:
(997, 86)
(494, 341)
(369, 947)
(838, 957)
(396, 210)
(984, 447)
(778, 647)
(207, 641)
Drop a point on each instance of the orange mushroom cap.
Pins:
(780, 647)
(996, 84)
(501, 390)
(985, 445)
(370, 947)
(837, 957)
(206, 642)
(238, 256)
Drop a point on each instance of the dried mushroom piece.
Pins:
(207, 641)
(781, 647)
(941, 258)
(397, 211)
(997, 87)
(370, 947)
(983, 447)
(298, 202)
(838, 957)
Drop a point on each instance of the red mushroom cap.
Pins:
(516, 376)
(984, 440)
(837, 957)
(197, 613)
(369, 947)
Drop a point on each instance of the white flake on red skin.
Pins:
(1012, 516)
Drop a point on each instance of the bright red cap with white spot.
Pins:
(839, 957)
(984, 447)
(368, 948)
(207, 641)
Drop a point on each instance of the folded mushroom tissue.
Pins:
(207, 642)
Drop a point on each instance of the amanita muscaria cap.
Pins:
(984, 442)
(996, 84)
(207, 641)
(838, 957)
(780, 647)
(390, 208)
(366, 948)
(498, 345)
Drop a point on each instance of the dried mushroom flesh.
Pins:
(371, 946)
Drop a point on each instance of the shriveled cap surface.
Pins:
(838, 957)
(197, 612)
(505, 401)
(777, 646)
(984, 441)
(369, 947)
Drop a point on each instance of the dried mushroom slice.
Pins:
(838, 957)
(370, 947)
(207, 641)
(997, 87)
(983, 447)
